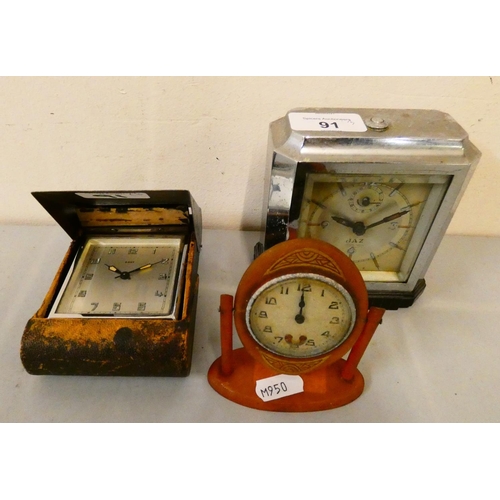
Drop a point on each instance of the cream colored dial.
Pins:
(300, 315)
(372, 219)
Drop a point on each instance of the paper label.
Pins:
(336, 122)
(279, 386)
(111, 195)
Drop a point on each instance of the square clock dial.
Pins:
(379, 221)
(123, 276)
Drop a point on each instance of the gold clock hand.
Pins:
(146, 266)
(124, 275)
(113, 269)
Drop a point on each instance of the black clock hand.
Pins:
(344, 222)
(389, 218)
(358, 228)
(299, 318)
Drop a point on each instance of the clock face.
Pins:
(379, 221)
(300, 315)
(122, 276)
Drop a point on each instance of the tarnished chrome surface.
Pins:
(395, 141)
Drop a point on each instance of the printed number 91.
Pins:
(327, 125)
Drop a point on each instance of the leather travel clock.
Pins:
(379, 184)
(124, 299)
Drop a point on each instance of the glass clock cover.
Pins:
(379, 221)
(301, 315)
(123, 276)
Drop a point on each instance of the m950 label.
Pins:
(279, 386)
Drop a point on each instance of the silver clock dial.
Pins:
(123, 276)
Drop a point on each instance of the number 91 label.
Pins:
(335, 122)
(279, 386)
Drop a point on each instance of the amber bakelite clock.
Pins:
(379, 184)
(299, 308)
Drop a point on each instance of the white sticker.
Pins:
(99, 195)
(335, 122)
(279, 386)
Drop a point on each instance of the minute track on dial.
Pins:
(364, 219)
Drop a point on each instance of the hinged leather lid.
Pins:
(81, 211)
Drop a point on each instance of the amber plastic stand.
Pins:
(235, 373)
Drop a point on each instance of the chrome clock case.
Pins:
(378, 152)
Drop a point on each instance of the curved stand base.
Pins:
(324, 388)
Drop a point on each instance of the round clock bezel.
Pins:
(293, 257)
(313, 277)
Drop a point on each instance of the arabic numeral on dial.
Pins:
(335, 320)
(333, 305)
(311, 343)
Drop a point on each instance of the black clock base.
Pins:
(396, 300)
